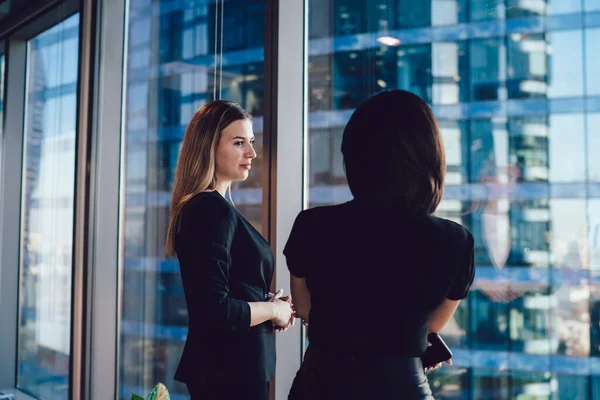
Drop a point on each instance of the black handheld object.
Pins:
(437, 352)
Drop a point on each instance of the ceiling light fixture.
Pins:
(388, 41)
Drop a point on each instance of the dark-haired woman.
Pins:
(399, 272)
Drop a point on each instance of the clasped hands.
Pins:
(286, 313)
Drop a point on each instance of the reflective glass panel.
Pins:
(172, 70)
(47, 213)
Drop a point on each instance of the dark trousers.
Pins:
(324, 376)
(229, 391)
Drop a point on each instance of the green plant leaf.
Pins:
(136, 397)
(159, 392)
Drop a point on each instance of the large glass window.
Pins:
(455, 137)
(449, 72)
(490, 383)
(593, 142)
(592, 62)
(412, 15)
(450, 383)
(488, 152)
(47, 212)
(522, 172)
(567, 148)
(523, 9)
(594, 246)
(448, 12)
(527, 65)
(172, 70)
(566, 63)
(563, 6)
(529, 156)
(487, 69)
(592, 5)
(481, 10)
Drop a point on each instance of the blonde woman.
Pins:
(226, 265)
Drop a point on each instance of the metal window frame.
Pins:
(106, 202)
(291, 146)
(82, 268)
(28, 17)
(20, 30)
(17, 31)
(10, 209)
(11, 154)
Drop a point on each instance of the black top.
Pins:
(225, 263)
(375, 275)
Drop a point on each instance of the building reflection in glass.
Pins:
(170, 74)
(509, 82)
(514, 85)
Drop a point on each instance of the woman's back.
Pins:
(390, 270)
(366, 259)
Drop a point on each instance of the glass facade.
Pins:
(180, 55)
(514, 85)
(47, 211)
(516, 88)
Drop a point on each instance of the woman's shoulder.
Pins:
(451, 231)
(324, 214)
(208, 205)
(207, 198)
(320, 211)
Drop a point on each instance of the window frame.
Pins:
(18, 30)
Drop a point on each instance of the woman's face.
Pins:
(235, 152)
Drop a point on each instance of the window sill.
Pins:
(16, 395)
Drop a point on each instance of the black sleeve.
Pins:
(296, 246)
(209, 228)
(465, 273)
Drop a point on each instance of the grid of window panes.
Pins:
(516, 87)
(171, 72)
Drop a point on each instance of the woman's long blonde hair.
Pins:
(196, 166)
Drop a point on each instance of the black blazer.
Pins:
(225, 263)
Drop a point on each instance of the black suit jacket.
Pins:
(225, 263)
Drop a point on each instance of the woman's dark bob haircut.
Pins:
(393, 153)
